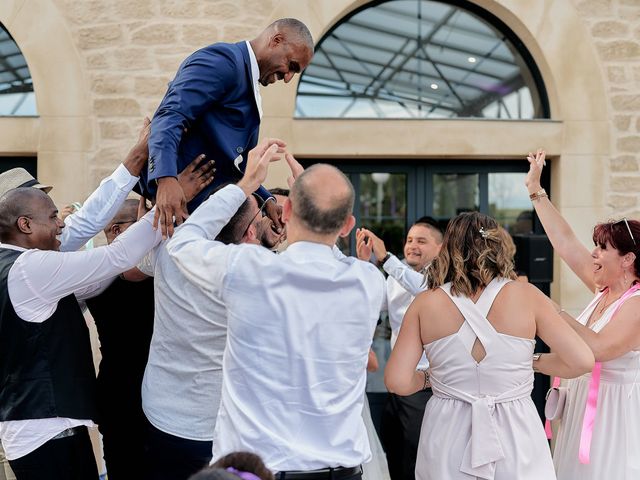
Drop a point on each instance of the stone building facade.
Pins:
(100, 66)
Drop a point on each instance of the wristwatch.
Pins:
(535, 357)
(384, 259)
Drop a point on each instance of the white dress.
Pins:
(481, 421)
(376, 468)
(615, 445)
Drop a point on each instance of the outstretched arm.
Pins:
(200, 258)
(561, 235)
(106, 200)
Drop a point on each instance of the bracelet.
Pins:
(426, 380)
(538, 195)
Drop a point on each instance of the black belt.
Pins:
(328, 473)
(69, 432)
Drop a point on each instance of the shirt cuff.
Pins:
(391, 263)
(123, 178)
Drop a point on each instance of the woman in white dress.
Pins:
(611, 327)
(477, 327)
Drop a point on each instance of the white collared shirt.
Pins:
(183, 377)
(255, 76)
(403, 284)
(37, 280)
(97, 210)
(300, 325)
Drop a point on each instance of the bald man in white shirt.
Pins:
(300, 325)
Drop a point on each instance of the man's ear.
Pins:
(276, 39)
(24, 225)
(286, 210)
(347, 226)
(251, 235)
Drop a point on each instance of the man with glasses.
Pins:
(183, 377)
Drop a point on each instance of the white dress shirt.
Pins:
(300, 326)
(403, 284)
(183, 378)
(37, 280)
(98, 210)
(255, 76)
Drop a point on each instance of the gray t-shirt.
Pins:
(183, 379)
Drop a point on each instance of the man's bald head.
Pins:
(296, 31)
(322, 199)
(29, 218)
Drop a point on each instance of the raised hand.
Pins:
(171, 204)
(197, 176)
(258, 161)
(536, 163)
(363, 245)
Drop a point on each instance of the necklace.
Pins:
(606, 304)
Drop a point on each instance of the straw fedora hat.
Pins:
(19, 177)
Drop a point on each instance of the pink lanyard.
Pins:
(590, 410)
(589, 418)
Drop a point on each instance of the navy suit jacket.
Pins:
(212, 98)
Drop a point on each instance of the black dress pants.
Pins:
(168, 457)
(67, 458)
(400, 432)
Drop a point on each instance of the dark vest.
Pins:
(123, 314)
(46, 369)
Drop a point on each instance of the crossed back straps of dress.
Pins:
(475, 315)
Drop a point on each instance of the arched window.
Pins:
(421, 59)
(16, 88)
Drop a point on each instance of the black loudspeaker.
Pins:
(534, 257)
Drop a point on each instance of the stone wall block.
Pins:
(622, 122)
(617, 74)
(638, 124)
(218, 10)
(87, 12)
(133, 59)
(151, 86)
(625, 183)
(610, 29)
(99, 36)
(130, 9)
(629, 144)
(110, 84)
(116, 107)
(99, 61)
(114, 130)
(619, 50)
(624, 163)
(619, 202)
(200, 35)
(595, 8)
(625, 103)
(189, 9)
(156, 34)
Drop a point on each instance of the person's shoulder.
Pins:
(230, 53)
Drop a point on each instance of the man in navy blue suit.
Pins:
(213, 106)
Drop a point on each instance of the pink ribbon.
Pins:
(589, 419)
(547, 423)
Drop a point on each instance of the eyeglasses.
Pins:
(124, 221)
(259, 212)
(624, 219)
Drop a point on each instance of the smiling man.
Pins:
(402, 416)
(48, 394)
(213, 106)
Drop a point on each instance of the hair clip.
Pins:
(483, 233)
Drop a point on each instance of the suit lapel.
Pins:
(247, 68)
